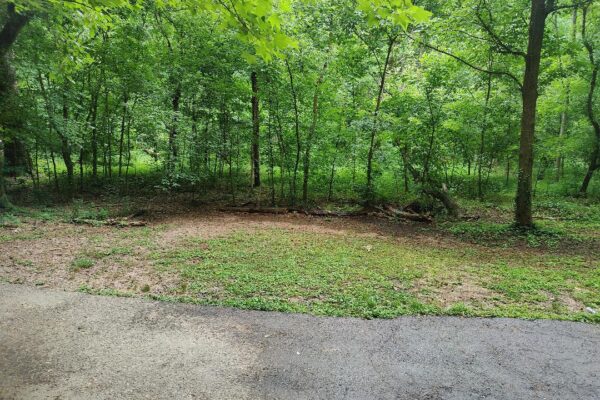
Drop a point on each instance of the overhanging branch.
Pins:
(469, 64)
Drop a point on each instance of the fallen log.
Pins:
(257, 210)
(394, 212)
(377, 211)
(288, 210)
(122, 223)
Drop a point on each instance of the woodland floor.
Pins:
(366, 267)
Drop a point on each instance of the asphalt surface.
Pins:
(59, 345)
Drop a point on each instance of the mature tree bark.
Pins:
(537, 23)
(540, 9)
(311, 134)
(10, 31)
(255, 132)
(391, 42)
(8, 35)
(594, 163)
(296, 130)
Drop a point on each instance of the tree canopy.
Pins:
(367, 101)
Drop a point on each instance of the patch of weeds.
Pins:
(81, 211)
(82, 263)
(99, 254)
(24, 263)
(103, 292)
(459, 309)
(568, 209)
(9, 220)
(281, 270)
(27, 235)
(506, 235)
(178, 258)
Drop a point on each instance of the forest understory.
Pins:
(184, 248)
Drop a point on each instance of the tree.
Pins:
(255, 131)
(588, 43)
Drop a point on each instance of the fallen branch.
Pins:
(393, 212)
(124, 222)
(284, 210)
(260, 210)
(470, 217)
(377, 211)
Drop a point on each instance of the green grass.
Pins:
(373, 277)
(81, 263)
(468, 268)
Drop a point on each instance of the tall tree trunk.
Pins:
(484, 127)
(282, 152)
(122, 133)
(523, 203)
(54, 171)
(10, 31)
(4, 203)
(8, 35)
(311, 134)
(95, 134)
(332, 173)
(391, 42)
(81, 155)
(296, 130)
(271, 153)
(507, 170)
(255, 132)
(173, 131)
(594, 163)
(109, 132)
(65, 147)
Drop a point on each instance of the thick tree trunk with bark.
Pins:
(8, 35)
(595, 156)
(296, 130)
(255, 132)
(537, 22)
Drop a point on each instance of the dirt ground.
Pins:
(126, 259)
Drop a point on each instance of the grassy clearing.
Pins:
(475, 268)
(377, 277)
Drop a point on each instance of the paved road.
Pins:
(58, 345)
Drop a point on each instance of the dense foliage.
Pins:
(306, 101)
